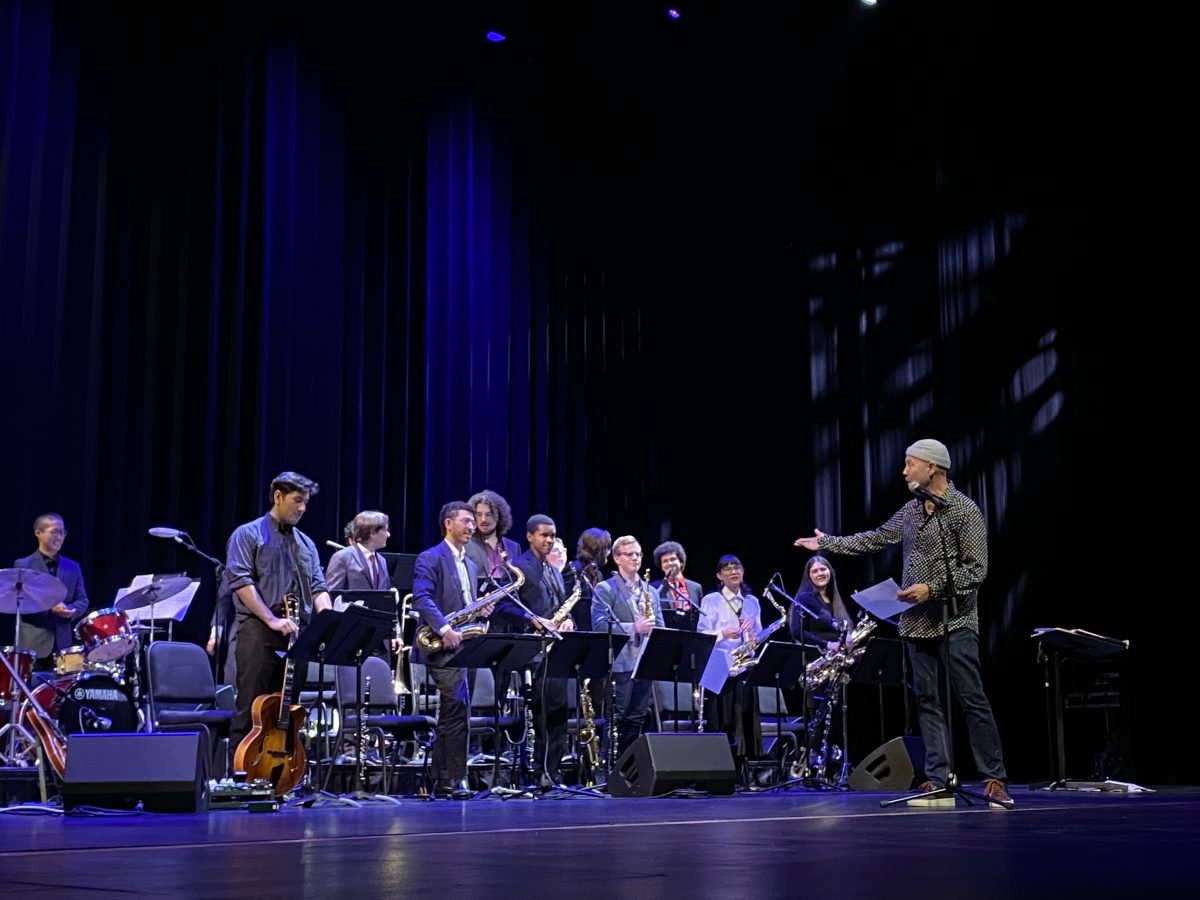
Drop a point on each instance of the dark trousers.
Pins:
(735, 712)
(966, 681)
(633, 702)
(550, 725)
(259, 671)
(450, 747)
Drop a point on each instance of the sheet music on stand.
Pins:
(174, 607)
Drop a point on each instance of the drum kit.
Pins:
(94, 686)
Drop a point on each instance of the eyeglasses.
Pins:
(56, 532)
(628, 553)
(733, 568)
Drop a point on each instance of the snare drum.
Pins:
(95, 701)
(22, 663)
(106, 635)
(70, 661)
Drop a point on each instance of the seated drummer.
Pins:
(47, 632)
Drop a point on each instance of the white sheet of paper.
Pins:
(716, 673)
(880, 600)
(168, 608)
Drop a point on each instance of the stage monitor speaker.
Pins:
(890, 767)
(657, 764)
(165, 771)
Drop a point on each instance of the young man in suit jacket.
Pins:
(444, 580)
(46, 632)
(542, 593)
(359, 567)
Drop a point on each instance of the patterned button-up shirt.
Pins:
(966, 544)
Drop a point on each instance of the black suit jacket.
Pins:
(543, 592)
(76, 600)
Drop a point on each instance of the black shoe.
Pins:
(461, 794)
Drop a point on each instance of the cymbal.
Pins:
(156, 591)
(38, 591)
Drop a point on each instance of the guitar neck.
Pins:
(290, 608)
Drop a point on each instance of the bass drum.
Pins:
(93, 702)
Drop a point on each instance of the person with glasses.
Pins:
(735, 617)
(623, 600)
(45, 633)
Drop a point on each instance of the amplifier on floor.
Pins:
(890, 767)
(656, 764)
(165, 771)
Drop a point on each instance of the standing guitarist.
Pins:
(268, 558)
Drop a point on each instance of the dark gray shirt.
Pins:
(966, 543)
(274, 558)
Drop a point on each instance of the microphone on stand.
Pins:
(335, 545)
(170, 534)
(939, 502)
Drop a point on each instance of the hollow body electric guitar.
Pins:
(273, 751)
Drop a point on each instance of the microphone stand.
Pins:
(949, 601)
(219, 573)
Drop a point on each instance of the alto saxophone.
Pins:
(431, 642)
(749, 653)
(589, 741)
(647, 597)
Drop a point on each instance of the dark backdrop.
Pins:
(701, 279)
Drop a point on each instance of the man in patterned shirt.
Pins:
(926, 464)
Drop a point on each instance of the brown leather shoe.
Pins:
(997, 794)
(926, 786)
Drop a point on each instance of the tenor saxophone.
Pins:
(431, 642)
(560, 614)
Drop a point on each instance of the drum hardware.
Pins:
(22, 591)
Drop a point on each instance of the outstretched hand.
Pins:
(810, 543)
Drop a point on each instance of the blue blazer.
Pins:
(348, 571)
(76, 600)
(436, 589)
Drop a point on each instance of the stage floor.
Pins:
(766, 845)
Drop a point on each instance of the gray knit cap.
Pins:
(931, 451)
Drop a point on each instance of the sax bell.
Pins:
(431, 642)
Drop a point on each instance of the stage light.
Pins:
(868, 2)
(672, 13)
(495, 37)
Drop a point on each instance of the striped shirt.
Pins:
(966, 544)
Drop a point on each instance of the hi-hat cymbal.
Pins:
(156, 591)
(36, 591)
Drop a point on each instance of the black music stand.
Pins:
(670, 654)
(780, 667)
(344, 639)
(883, 664)
(499, 653)
(581, 655)
(1071, 644)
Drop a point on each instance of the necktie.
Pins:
(375, 570)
